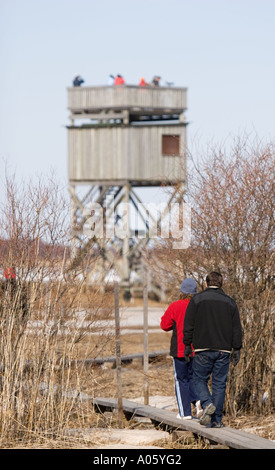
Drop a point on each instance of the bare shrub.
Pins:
(46, 314)
(232, 199)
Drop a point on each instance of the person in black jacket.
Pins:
(78, 80)
(212, 325)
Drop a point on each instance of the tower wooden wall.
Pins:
(120, 138)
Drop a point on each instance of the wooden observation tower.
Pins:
(121, 138)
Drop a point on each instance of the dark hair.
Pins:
(185, 296)
(214, 279)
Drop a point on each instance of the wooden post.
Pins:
(73, 222)
(145, 333)
(118, 357)
(125, 247)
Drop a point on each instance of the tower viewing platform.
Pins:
(137, 101)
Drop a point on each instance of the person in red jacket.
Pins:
(173, 320)
(142, 82)
(119, 80)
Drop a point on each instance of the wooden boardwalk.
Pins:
(232, 438)
(125, 359)
(165, 419)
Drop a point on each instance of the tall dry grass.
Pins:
(46, 316)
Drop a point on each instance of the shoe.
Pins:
(199, 409)
(217, 424)
(206, 415)
(183, 417)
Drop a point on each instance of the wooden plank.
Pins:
(97, 116)
(232, 438)
(124, 358)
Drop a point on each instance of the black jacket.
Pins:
(212, 321)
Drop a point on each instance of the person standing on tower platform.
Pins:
(111, 80)
(156, 80)
(78, 80)
(142, 82)
(119, 80)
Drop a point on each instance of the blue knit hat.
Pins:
(188, 286)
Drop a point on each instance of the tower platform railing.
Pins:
(130, 97)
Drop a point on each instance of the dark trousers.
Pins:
(216, 363)
(184, 388)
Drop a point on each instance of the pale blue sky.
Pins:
(221, 50)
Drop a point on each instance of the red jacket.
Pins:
(119, 80)
(173, 319)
